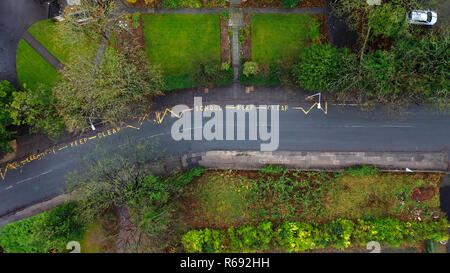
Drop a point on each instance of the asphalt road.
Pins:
(343, 128)
(16, 16)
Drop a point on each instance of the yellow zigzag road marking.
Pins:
(159, 118)
(307, 111)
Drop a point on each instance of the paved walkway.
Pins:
(236, 23)
(42, 51)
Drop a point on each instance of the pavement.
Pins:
(42, 51)
(16, 16)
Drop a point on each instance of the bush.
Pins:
(273, 169)
(387, 19)
(48, 231)
(289, 3)
(362, 171)
(6, 91)
(250, 69)
(297, 236)
(319, 66)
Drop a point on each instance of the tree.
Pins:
(6, 91)
(319, 66)
(106, 19)
(36, 108)
(387, 20)
(116, 90)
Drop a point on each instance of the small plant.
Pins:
(230, 32)
(224, 15)
(136, 16)
(250, 68)
(362, 171)
(225, 66)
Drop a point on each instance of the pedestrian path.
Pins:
(235, 23)
(42, 51)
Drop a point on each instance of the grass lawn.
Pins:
(277, 37)
(32, 69)
(180, 43)
(46, 33)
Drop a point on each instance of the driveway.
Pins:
(16, 16)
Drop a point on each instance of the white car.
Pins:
(422, 17)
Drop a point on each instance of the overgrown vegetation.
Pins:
(394, 63)
(301, 236)
(46, 232)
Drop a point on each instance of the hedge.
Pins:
(296, 236)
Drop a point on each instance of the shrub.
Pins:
(319, 66)
(273, 169)
(6, 91)
(48, 231)
(289, 3)
(298, 236)
(250, 68)
(387, 19)
(362, 171)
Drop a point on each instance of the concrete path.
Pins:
(42, 51)
(235, 23)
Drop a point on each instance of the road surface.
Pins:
(343, 128)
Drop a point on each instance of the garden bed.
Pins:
(276, 42)
(225, 45)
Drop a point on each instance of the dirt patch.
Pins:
(276, 4)
(225, 46)
(323, 28)
(421, 194)
(246, 46)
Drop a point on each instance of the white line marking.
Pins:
(31, 178)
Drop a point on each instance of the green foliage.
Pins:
(224, 15)
(147, 203)
(6, 91)
(184, 178)
(279, 195)
(362, 171)
(225, 66)
(214, 75)
(301, 236)
(387, 19)
(273, 169)
(117, 90)
(173, 4)
(379, 71)
(250, 68)
(289, 3)
(136, 17)
(319, 66)
(48, 231)
(36, 108)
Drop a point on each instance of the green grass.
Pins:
(46, 33)
(32, 69)
(280, 37)
(180, 43)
